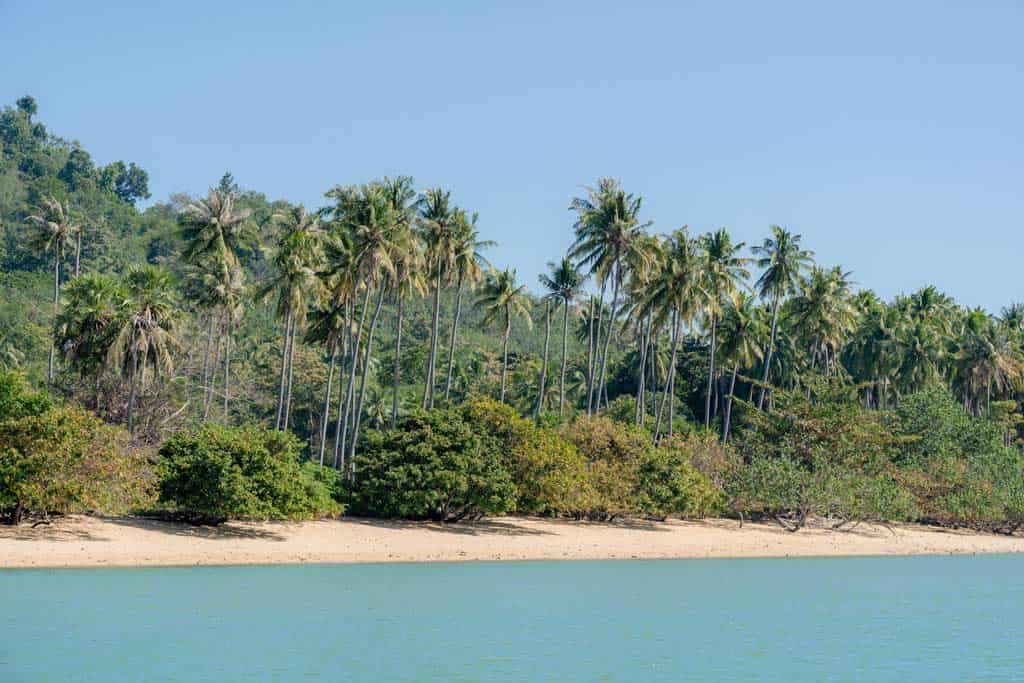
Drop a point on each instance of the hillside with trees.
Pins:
(367, 353)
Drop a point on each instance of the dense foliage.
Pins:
(218, 473)
(56, 458)
(652, 374)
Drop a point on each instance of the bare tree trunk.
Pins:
(291, 366)
(428, 386)
(131, 388)
(595, 335)
(670, 376)
(327, 400)
(350, 392)
(544, 362)
(227, 365)
(213, 378)
(641, 373)
(504, 351)
(711, 373)
(398, 364)
(728, 404)
(362, 384)
(206, 364)
(284, 368)
(771, 348)
(455, 332)
(78, 252)
(565, 354)
(56, 310)
(602, 387)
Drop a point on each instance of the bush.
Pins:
(218, 473)
(670, 484)
(549, 475)
(56, 458)
(434, 465)
(957, 466)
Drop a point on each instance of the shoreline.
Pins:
(82, 541)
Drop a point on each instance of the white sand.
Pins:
(109, 542)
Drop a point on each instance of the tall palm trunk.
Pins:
(455, 332)
(602, 387)
(339, 447)
(227, 364)
(727, 418)
(56, 309)
(362, 383)
(711, 372)
(326, 419)
(595, 335)
(78, 251)
(213, 376)
(670, 376)
(398, 363)
(291, 366)
(428, 386)
(590, 351)
(284, 368)
(641, 374)
(346, 344)
(132, 388)
(544, 361)
(206, 363)
(565, 356)
(504, 350)
(771, 348)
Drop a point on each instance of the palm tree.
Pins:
(564, 285)
(438, 222)
(145, 336)
(298, 259)
(214, 232)
(501, 296)
(409, 264)
(85, 328)
(607, 229)
(375, 247)
(824, 314)
(468, 264)
(328, 326)
(783, 261)
(672, 297)
(57, 231)
(723, 272)
(741, 344)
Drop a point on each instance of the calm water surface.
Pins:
(857, 619)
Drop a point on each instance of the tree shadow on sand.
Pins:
(226, 531)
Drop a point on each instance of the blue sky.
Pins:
(888, 134)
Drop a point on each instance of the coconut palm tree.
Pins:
(438, 223)
(214, 231)
(782, 261)
(56, 231)
(607, 229)
(741, 344)
(145, 337)
(724, 271)
(564, 285)
(823, 314)
(502, 296)
(468, 265)
(298, 259)
(672, 297)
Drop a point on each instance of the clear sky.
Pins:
(888, 133)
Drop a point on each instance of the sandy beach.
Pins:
(115, 542)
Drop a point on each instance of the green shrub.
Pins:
(434, 465)
(669, 484)
(56, 458)
(218, 473)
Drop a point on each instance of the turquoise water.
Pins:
(856, 619)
